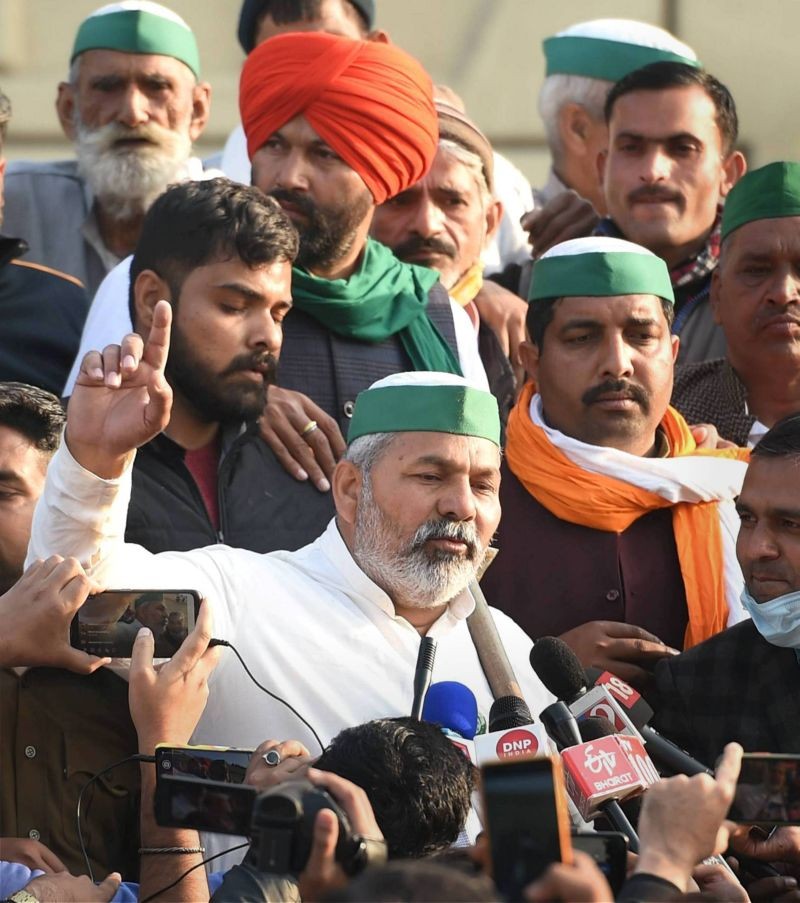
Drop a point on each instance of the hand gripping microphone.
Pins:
(422, 674)
(512, 733)
(453, 706)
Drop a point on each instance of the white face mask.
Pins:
(778, 620)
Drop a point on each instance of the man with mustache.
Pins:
(670, 163)
(745, 682)
(133, 104)
(755, 296)
(617, 533)
(446, 221)
(334, 628)
(221, 254)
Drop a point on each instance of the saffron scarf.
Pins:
(606, 489)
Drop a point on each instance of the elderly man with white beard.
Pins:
(333, 629)
(133, 104)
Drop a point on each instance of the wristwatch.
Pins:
(21, 896)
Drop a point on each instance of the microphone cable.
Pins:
(163, 890)
(151, 759)
(269, 693)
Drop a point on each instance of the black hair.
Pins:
(541, 311)
(415, 880)
(417, 782)
(782, 441)
(285, 11)
(664, 75)
(36, 414)
(196, 223)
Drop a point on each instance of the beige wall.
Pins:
(487, 50)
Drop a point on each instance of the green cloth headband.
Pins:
(767, 193)
(601, 58)
(600, 274)
(462, 410)
(136, 31)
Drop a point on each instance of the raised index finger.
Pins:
(727, 770)
(195, 645)
(156, 348)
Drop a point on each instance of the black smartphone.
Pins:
(213, 763)
(182, 801)
(768, 790)
(107, 623)
(609, 849)
(526, 818)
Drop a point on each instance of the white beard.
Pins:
(410, 573)
(128, 178)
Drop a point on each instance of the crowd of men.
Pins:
(319, 380)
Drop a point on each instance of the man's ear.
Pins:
(148, 290)
(676, 347)
(529, 358)
(733, 168)
(494, 213)
(65, 109)
(201, 109)
(380, 36)
(346, 488)
(574, 127)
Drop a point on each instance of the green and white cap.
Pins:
(611, 48)
(767, 193)
(599, 267)
(425, 402)
(138, 26)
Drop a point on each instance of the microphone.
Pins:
(512, 733)
(453, 706)
(630, 703)
(599, 775)
(561, 725)
(422, 674)
(558, 668)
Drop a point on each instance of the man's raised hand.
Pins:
(121, 399)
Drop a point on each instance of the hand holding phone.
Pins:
(526, 818)
(768, 790)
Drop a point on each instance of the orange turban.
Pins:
(371, 102)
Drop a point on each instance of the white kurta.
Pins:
(312, 627)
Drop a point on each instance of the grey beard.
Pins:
(413, 575)
(127, 179)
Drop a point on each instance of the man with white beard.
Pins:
(333, 628)
(133, 104)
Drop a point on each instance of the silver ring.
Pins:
(272, 758)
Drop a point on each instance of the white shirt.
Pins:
(310, 624)
(109, 321)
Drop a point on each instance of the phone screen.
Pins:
(768, 790)
(209, 763)
(609, 849)
(526, 820)
(186, 802)
(107, 623)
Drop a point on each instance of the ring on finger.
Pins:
(309, 428)
(271, 758)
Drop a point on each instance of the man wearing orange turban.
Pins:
(334, 127)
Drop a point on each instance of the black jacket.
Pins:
(261, 507)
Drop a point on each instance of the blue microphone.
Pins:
(453, 705)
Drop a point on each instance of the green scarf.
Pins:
(384, 297)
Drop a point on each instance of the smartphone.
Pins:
(609, 849)
(182, 801)
(107, 623)
(526, 819)
(768, 790)
(215, 763)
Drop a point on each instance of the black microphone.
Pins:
(422, 675)
(561, 725)
(508, 712)
(558, 668)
